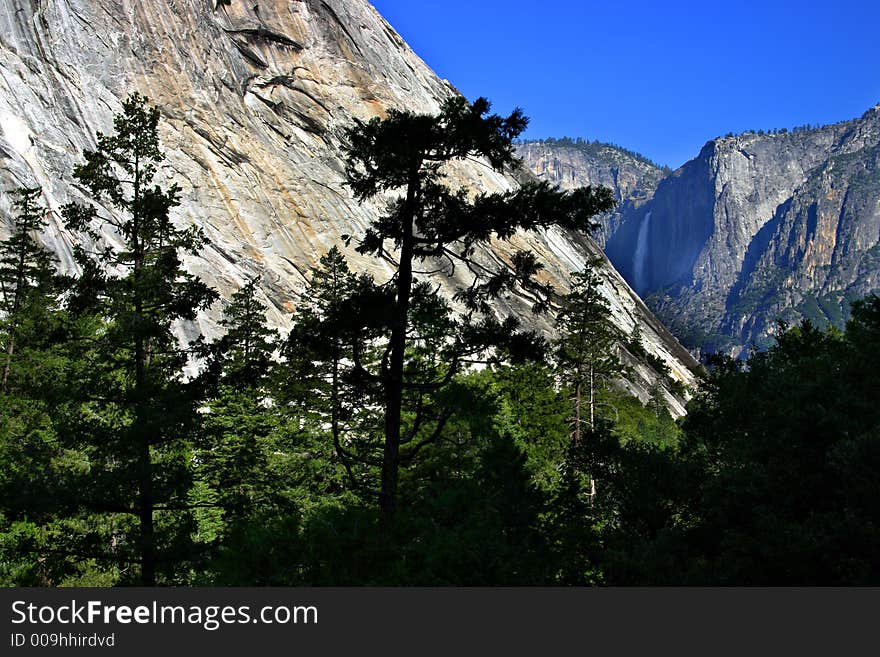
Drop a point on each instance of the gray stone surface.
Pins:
(632, 179)
(255, 99)
(754, 229)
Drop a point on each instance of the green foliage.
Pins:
(775, 447)
(535, 415)
(586, 351)
(635, 422)
(244, 353)
(425, 344)
(25, 266)
(328, 379)
(34, 468)
(129, 410)
(773, 480)
(264, 466)
(27, 281)
(585, 355)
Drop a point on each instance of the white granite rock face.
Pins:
(255, 99)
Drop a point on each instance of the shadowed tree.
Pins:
(407, 154)
(240, 426)
(141, 411)
(325, 357)
(32, 466)
(245, 350)
(26, 272)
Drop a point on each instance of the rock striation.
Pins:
(255, 99)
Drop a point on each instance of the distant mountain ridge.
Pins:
(758, 227)
(573, 163)
(597, 148)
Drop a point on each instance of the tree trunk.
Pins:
(16, 306)
(394, 374)
(592, 425)
(7, 366)
(141, 433)
(145, 494)
(592, 399)
(145, 465)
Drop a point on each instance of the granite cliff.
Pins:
(255, 100)
(758, 227)
(575, 163)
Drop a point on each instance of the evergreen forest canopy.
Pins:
(392, 437)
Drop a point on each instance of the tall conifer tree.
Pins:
(26, 272)
(136, 283)
(586, 351)
(239, 425)
(407, 154)
(326, 360)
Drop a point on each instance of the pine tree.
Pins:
(239, 425)
(586, 351)
(32, 467)
(26, 272)
(406, 153)
(139, 289)
(326, 357)
(245, 350)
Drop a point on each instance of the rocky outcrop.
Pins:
(570, 164)
(756, 228)
(821, 249)
(255, 100)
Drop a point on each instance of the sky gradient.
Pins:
(658, 78)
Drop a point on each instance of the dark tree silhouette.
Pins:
(407, 154)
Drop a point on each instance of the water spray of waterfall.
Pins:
(641, 255)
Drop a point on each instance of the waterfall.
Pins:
(641, 255)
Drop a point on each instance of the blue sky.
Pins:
(660, 78)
